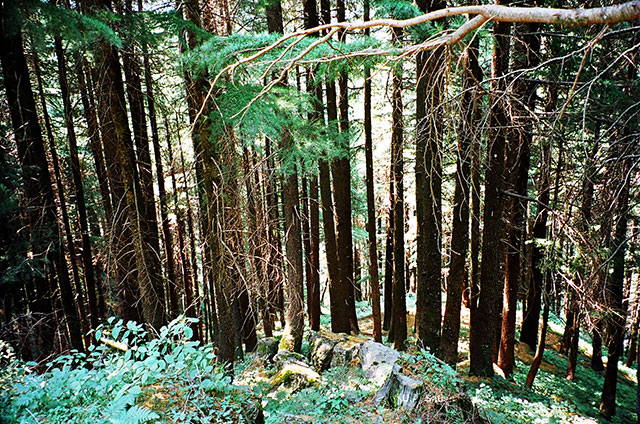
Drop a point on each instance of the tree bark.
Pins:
(614, 292)
(341, 173)
(87, 257)
(429, 90)
(211, 181)
(399, 307)
(167, 236)
(492, 272)
(472, 75)
(66, 224)
(526, 53)
(371, 205)
(41, 216)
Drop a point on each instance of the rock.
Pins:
(298, 419)
(284, 357)
(293, 371)
(400, 390)
(377, 361)
(267, 348)
(321, 346)
(345, 352)
(295, 375)
(441, 410)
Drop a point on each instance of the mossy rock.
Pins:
(267, 348)
(321, 346)
(295, 375)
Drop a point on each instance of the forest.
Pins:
(302, 211)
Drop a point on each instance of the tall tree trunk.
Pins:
(483, 334)
(615, 285)
(147, 261)
(145, 199)
(87, 257)
(193, 269)
(121, 235)
(388, 258)
(537, 358)
(429, 92)
(167, 237)
(294, 324)
(95, 144)
(294, 321)
(518, 156)
(341, 173)
(63, 212)
(399, 307)
(371, 205)
(313, 279)
(275, 264)
(209, 168)
(40, 206)
(460, 232)
(340, 318)
(258, 239)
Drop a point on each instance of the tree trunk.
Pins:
(388, 259)
(38, 192)
(399, 307)
(371, 205)
(313, 280)
(87, 257)
(341, 173)
(95, 144)
(460, 232)
(537, 359)
(294, 320)
(211, 182)
(294, 324)
(518, 156)
(614, 292)
(167, 236)
(66, 225)
(531, 315)
(429, 92)
(492, 273)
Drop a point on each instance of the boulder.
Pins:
(284, 357)
(345, 352)
(295, 375)
(400, 390)
(293, 371)
(321, 345)
(377, 361)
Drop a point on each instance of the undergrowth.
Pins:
(163, 379)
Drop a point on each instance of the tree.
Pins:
(371, 207)
(467, 137)
(44, 239)
(429, 92)
(87, 257)
(525, 56)
(485, 321)
(399, 307)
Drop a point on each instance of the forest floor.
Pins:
(170, 379)
(552, 399)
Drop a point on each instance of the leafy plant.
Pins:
(167, 378)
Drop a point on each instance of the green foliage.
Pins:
(552, 399)
(163, 379)
(438, 374)
(335, 399)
